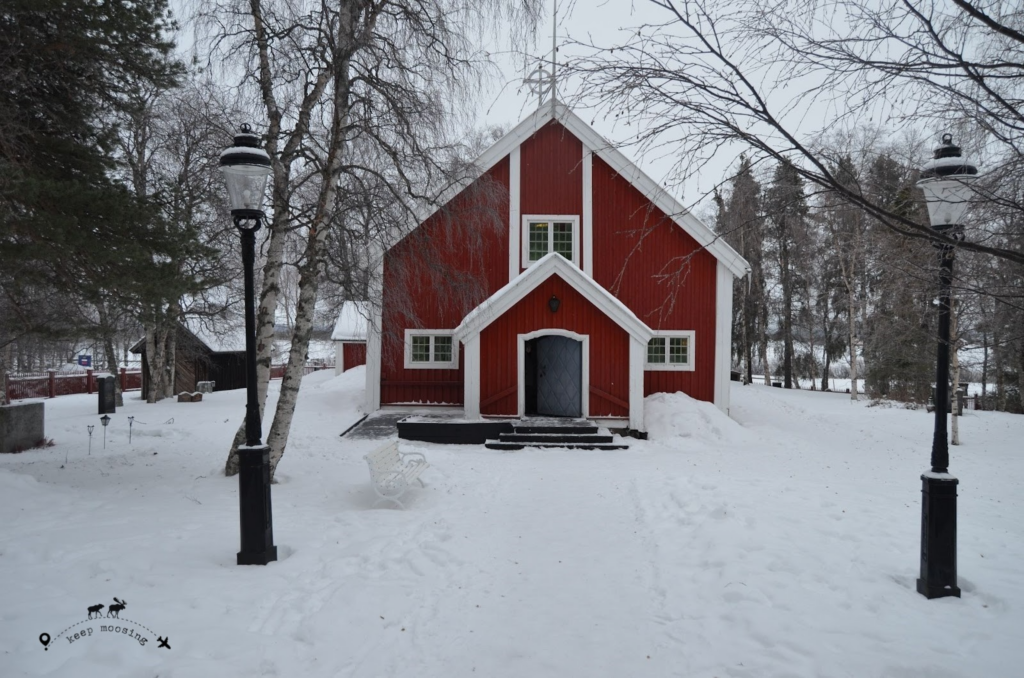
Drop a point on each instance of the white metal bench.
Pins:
(392, 472)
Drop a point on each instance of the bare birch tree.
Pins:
(775, 79)
(354, 93)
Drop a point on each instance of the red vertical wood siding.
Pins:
(435, 276)
(352, 355)
(551, 173)
(459, 257)
(499, 349)
(660, 272)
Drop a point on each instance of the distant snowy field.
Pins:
(783, 542)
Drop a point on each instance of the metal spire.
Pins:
(542, 81)
(554, 53)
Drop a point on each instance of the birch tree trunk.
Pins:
(984, 370)
(154, 366)
(853, 343)
(1000, 372)
(171, 359)
(309, 271)
(264, 330)
(281, 156)
(764, 354)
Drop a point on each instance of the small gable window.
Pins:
(543, 234)
(430, 350)
(669, 350)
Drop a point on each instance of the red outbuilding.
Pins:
(558, 280)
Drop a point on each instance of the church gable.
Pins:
(553, 189)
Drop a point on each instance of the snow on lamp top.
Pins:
(946, 180)
(246, 167)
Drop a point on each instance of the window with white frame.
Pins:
(550, 233)
(670, 351)
(431, 350)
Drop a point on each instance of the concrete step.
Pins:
(560, 437)
(498, 445)
(548, 429)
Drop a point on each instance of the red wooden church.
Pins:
(560, 281)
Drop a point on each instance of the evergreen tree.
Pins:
(742, 226)
(899, 333)
(66, 223)
(786, 225)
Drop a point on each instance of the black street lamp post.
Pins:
(945, 181)
(246, 167)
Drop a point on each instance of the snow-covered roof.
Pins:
(221, 335)
(551, 264)
(352, 321)
(604, 149)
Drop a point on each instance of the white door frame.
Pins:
(584, 378)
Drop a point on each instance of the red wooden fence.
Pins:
(53, 384)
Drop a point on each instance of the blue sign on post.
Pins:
(85, 360)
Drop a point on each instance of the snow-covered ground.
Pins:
(781, 543)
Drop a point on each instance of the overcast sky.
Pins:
(507, 100)
(603, 22)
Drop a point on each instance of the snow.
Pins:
(352, 322)
(781, 542)
(937, 476)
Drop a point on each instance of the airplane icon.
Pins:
(163, 642)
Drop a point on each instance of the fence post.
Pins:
(88, 382)
(124, 379)
(53, 384)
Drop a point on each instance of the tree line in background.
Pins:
(832, 292)
(830, 105)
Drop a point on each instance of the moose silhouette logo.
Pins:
(113, 610)
(123, 628)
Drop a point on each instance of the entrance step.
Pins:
(572, 434)
(498, 445)
(554, 437)
(548, 429)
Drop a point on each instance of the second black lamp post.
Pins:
(246, 167)
(945, 181)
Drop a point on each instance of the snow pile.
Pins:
(677, 415)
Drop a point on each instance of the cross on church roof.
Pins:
(542, 81)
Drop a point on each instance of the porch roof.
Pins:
(551, 264)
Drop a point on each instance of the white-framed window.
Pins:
(670, 350)
(431, 350)
(544, 233)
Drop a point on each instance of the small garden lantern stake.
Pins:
(131, 420)
(246, 167)
(105, 420)
(90, 438)
(945, 181)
